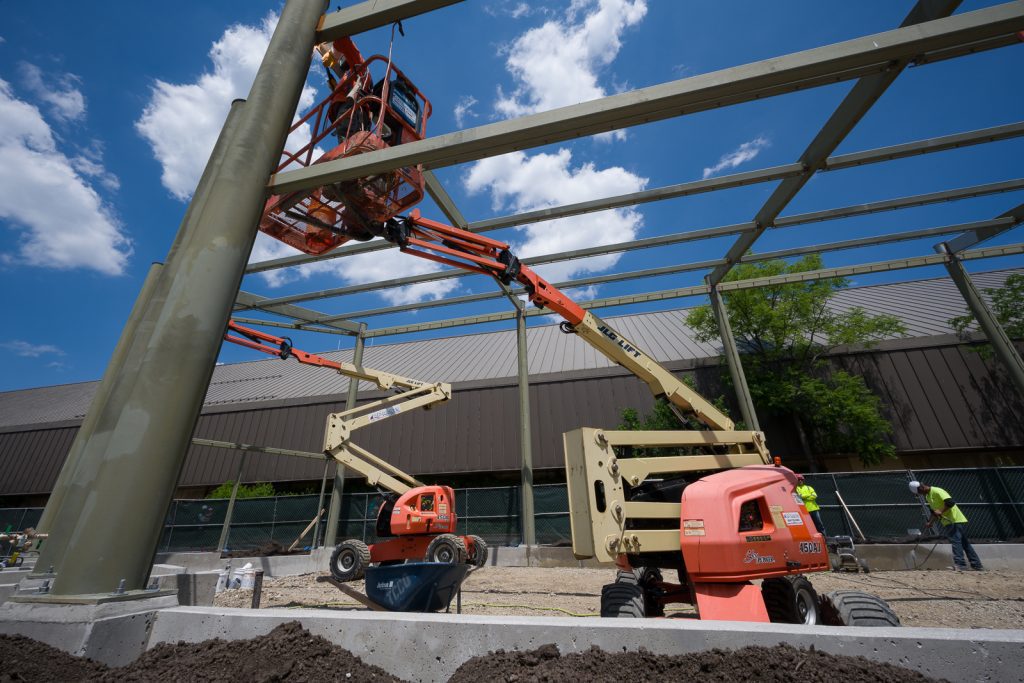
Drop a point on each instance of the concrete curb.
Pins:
(430, 647)
(880, 557)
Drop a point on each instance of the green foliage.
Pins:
(783, 332)
(1008, 307)
(260, 490)
(663, 418)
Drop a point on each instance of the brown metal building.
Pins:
(949, 405)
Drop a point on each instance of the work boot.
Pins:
(977, 569)
(958, 568)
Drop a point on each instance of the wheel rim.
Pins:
(346, 561)
(444, 554)
(806, 608)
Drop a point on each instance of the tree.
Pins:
(260, 490)
(783, 332)
(1008, 307)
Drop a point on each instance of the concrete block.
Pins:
(430, 647)
(114, 633)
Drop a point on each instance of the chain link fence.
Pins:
(882, 506)
(879, 503)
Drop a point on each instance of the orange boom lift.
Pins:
(418, 520)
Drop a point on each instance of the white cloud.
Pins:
(60, 220)
(464, 110)
(515, 9)
(557, 63)
(27, 350)
(526, 183)
(182, 121)
(60, 92)
(742, 154)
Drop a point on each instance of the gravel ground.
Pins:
(990, 599)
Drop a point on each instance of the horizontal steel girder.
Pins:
(373, 14)
(675, 238)
(843, 161)
(697, 290)
(829, 64)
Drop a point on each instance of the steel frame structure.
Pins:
(152, 392)
(928, 34)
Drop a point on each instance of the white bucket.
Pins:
(248, 579)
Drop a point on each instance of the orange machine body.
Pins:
(748, 523)
(424, 510)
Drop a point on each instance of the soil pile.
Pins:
(782, 664)
(288, 653)
(25, 659)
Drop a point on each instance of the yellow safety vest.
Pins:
(936, 499)
(809, 496)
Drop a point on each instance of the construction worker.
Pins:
(805, 491)
(954, 523)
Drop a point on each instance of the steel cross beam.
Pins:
(841, 61)
(980, 234)
(686, 267)
(675, 238)
(871, 156)
(370, 15)
(697, 290)
(247, 300)
(850, 111)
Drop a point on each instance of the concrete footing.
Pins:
(430, 647)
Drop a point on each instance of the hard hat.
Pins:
(914, 485)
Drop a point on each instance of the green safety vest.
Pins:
(809, 496)
(936, 499)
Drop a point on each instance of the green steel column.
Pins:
(77, 490)
(225, 529)
(529, 523)
(334, 513)
(732, 359)
(320, 503)
(66, 476)
(1001, 343)
(146, 425)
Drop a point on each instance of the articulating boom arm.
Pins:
(410, 394)
(466, 250)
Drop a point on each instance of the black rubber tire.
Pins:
(791, 600)
(864, 567)
(853, 608)
(622, 600)
(447, 549)
(478, 558)
(350, 560)
(643, 577)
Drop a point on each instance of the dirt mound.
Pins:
(25, 659)
(781, 664)
(288, 653)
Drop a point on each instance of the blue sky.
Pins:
(108, 111)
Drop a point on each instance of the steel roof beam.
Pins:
(976, 235)
(247, 300)
(676, 238)
(829, 64)
(672, 270)
(851, 110)
(373, 14)
(697, 290)
(909, 149)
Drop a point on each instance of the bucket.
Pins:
(223, 576)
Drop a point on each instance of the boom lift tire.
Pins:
(478, 558)
(791, 600)
(350, 560)
(448, 549)
(854, 608)
(622, 600)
